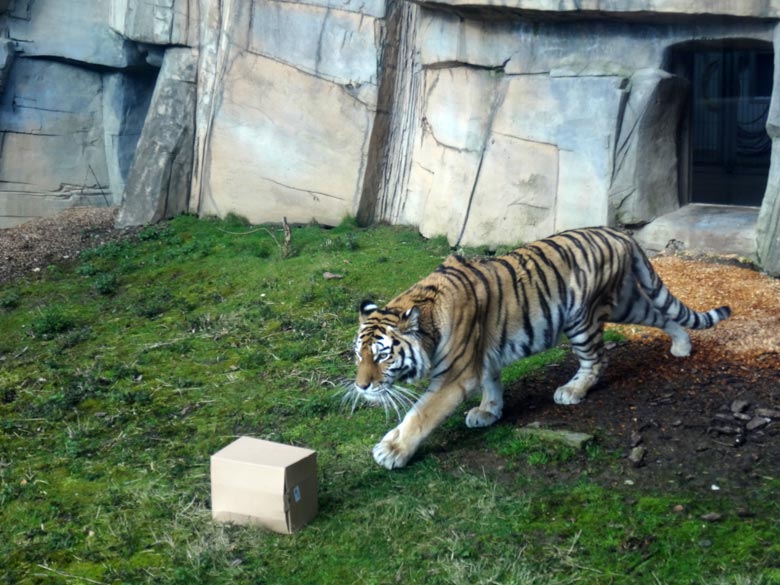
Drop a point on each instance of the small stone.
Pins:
(756, 423)
(722, 416)
(768, 413)
(637, 455)
(711, 517)
(571, 438)
(679, 508)
(739, 406)
(726, 430)
(636, 438)
(331, 276)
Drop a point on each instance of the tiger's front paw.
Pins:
(567, 395)
(480, 418)
(389, 453)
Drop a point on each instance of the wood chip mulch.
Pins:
(30, 247)
(751, 334)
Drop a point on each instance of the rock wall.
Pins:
(74, 100)
(287, 125)
(158, 184)
(156, 22)
(768, 227)
(533, 127)
(488, 121)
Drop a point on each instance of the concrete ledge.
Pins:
(712, 229)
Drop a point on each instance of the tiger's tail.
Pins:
(663, 300)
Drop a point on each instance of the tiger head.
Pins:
(388, 350)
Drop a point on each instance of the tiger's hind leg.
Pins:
(636, 309)
(681, 341)
(588, 346)
(492, 404)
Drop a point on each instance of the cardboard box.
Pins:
(264, 483)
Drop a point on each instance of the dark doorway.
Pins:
(728, 147)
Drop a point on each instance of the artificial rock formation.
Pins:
(74, 98)
(526, 127)
(488, 122)
(287, 124)
(158, 184)
(768, 227)
(639, 192)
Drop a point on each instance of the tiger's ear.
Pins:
(410, 320)
(366, 308)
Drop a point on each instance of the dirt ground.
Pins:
(710, 421)
(32, 246)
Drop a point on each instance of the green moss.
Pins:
(112, 403)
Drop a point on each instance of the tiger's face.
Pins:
(387, 351)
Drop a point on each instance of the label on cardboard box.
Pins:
(250, 484)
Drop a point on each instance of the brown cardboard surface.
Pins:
(264, 483)
(261, 478)
(303, 503)
(261, 452)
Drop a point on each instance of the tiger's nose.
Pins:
(363, 386)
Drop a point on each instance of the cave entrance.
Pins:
(725, 150)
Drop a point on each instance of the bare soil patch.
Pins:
(30, 247)
(710, 421)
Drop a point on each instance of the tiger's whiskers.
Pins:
(397, 399)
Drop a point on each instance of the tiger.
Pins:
(460, 325)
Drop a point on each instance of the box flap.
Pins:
(260, 452)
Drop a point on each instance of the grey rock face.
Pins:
(76, 30)
(156, 22)
(500, 123)
(644, 183)
(630, 7)
(768, 227)
(158, 185)
(69, 136)
(287, 109)
(6, 59)
(74, 98)
(126, 98)
(53, 152)
(525, 128)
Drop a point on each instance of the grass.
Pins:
(122, 373)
